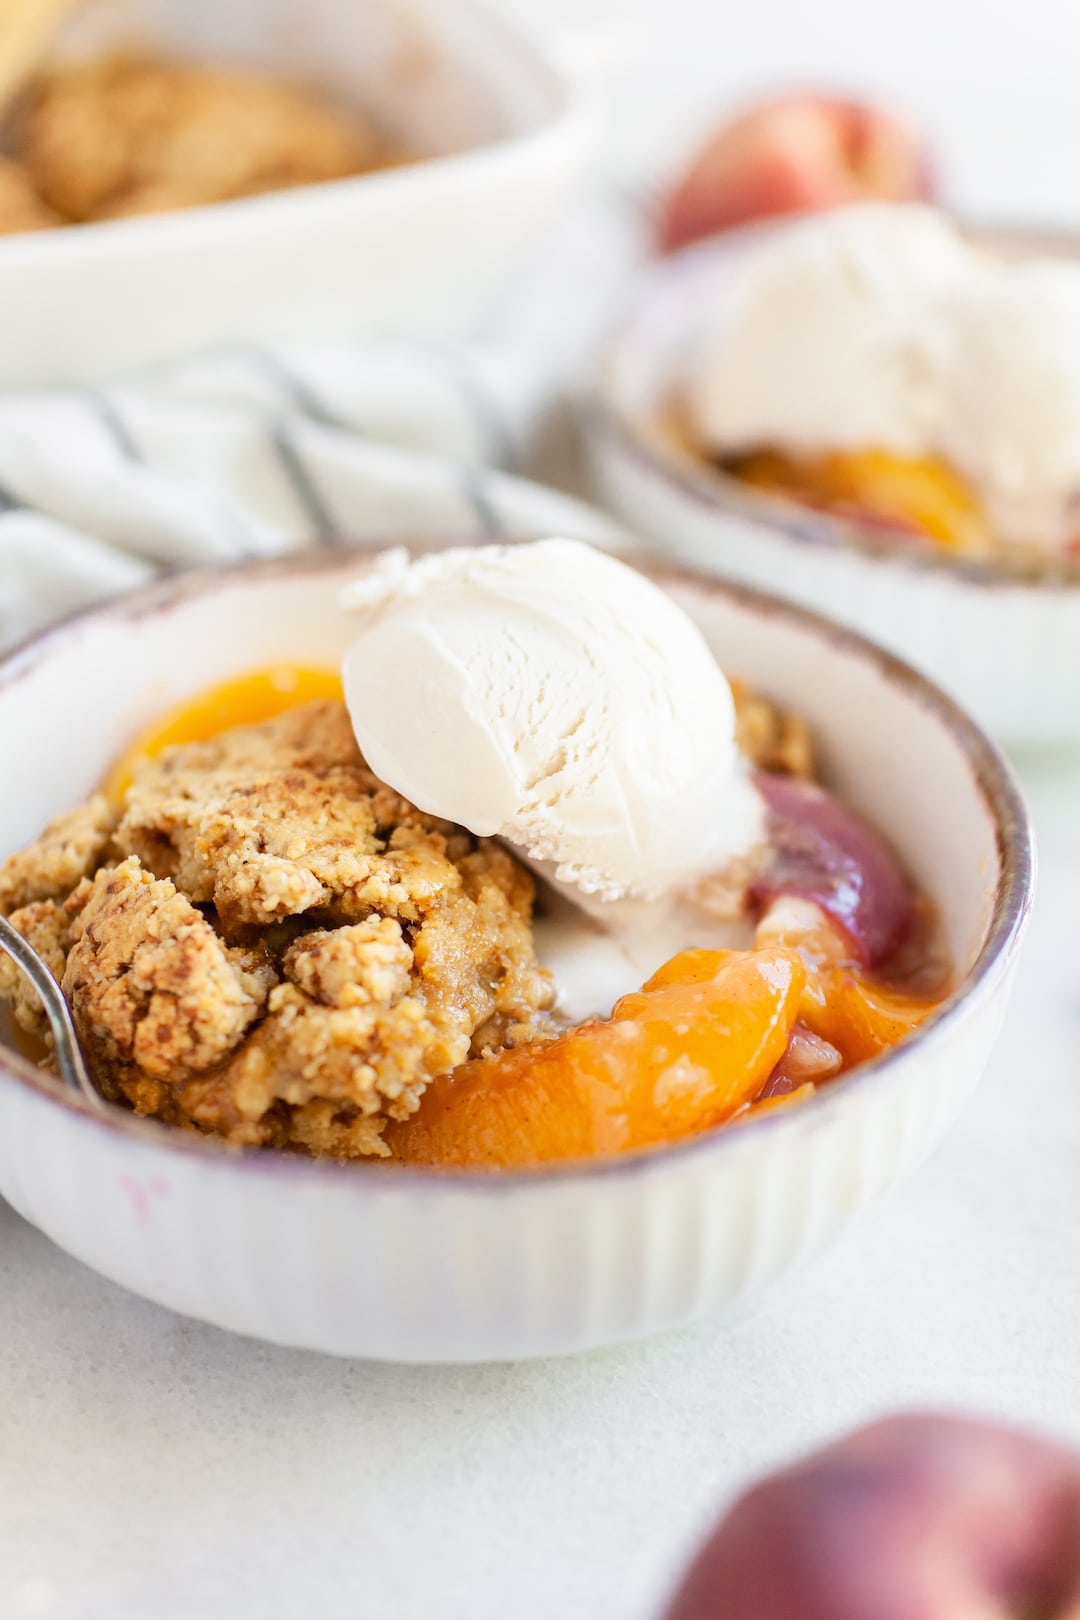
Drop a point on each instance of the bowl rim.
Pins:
(993, 779)
(608, 417)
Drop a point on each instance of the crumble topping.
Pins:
(46, 926)
(269, 944)
(71, 847)
(134, 133)
(21, 209)
(149, 982)
(772, 738)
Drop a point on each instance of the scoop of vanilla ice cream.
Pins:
(833, 338)
(1012, 423)
(551, 695)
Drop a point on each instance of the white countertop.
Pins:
(155, 1469)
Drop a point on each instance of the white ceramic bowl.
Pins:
(409, 1266)
(1005, 642)
(422, 249)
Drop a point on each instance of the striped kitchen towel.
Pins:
(252, 453)
(246, 453)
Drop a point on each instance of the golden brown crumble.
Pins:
(71, 847)
(353, 966)
(270, 944)
(151, 984)
(46, 925)
(21, 209)
(133, 133)
(771, 738)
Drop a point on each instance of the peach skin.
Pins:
(792, 155)
(919, 1517)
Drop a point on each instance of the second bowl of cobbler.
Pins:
(874, 412)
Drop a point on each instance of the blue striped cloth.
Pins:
(250, 453)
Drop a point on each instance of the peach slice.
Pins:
(675, 1058)
(808, 1062)
(825, 853)
(919, 495)
(261, 694)
(857, 1016)
(783, 1099)
(841, 1003)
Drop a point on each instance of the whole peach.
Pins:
(915, 1518)
(793, 155)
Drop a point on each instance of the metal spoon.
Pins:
(69, 1054)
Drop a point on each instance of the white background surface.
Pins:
(154, 1469)
(993, 81)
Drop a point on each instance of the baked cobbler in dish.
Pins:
(138, 133)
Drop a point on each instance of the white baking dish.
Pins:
(415, 1266)
(422, 249)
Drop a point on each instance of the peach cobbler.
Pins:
(261, 939)
(874, 364)
(265, 942)
(135, 133)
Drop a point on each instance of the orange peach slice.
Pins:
(857, 1016)
(849, 1009)
(676, 1058)
(246, 699)
(916, 493)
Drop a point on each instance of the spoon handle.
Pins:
(69, 1055)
